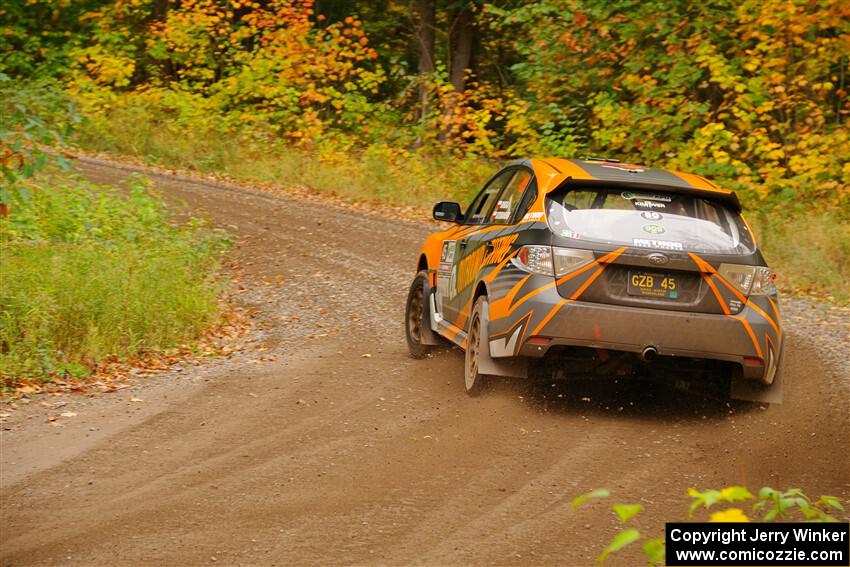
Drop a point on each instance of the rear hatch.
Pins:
(660, 230)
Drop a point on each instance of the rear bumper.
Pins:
(747, 335)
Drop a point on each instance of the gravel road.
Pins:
(338, 448)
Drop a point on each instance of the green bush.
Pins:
(34, 116)
(91, 273)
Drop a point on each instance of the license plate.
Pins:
(650, 284)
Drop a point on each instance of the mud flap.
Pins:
(428, 336)
(514, 367)
(755, 391)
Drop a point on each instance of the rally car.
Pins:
(589, 267)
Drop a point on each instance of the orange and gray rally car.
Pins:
(563, 268)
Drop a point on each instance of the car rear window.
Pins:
(648, 219)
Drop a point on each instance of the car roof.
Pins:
(553, 173)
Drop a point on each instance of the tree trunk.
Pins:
(461, 41)
(427, 12)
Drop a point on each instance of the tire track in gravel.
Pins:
(328, 457)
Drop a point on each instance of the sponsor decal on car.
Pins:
(624, 167)
(532, 216)
(467, 268)
(448, 252)
(650, 205)
(628, 195)
(570, 234)
(651, 215)
(502, 211)
(659, 244)
(653, 229)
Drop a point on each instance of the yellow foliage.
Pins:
(729, 515)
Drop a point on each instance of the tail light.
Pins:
(749, 280)
(535, 259)
(764, 282)
(549, 261)
(570, 259)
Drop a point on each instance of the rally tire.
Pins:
(473, 380)
(414, 316)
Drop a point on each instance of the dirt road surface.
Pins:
(327, 456)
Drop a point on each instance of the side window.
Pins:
(479, 210)
(510, 199)
(527, 199)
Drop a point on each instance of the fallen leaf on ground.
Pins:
(68, 414)
(136, 399)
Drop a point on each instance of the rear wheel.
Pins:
(474, 381)
(414, 316)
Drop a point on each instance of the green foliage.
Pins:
(243, 65)
(625, 537)
(91, 274)
(710, 497)
(654, 551)
(778, 505)
(599, 493)
(627, 511)
(37, 36)
(770, 506)
(24, 135)
(752, 93)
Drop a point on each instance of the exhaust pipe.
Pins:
(648, 354)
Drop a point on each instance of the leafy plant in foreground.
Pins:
(770, 505)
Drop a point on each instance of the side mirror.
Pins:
(448, 212)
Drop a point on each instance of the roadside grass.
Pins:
(92, 275)
(376, 173)
(811, 254)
